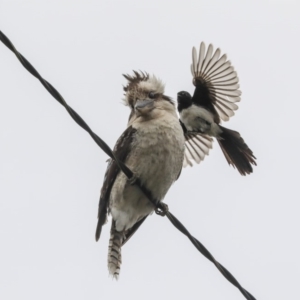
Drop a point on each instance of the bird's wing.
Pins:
(216, 82)
(129, 233)
(197, 145)
(121, 150)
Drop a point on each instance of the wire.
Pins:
(161, 209)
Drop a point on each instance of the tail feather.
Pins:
(236, 151)
(114, 251)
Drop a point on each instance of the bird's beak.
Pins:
(144, 106)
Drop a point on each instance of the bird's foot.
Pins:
(162, 209)
(133, 180)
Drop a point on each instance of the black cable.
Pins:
(161, 208)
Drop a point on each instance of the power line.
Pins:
(160, 208)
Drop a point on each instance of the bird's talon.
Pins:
(132, 180)
(162, 210)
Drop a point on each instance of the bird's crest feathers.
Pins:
(134, 80)
(141, 81)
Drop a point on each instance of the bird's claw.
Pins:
(162, 209)
(132, 180)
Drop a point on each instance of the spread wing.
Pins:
(197, 145)
(216, 82)
(121, 150)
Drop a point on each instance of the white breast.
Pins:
(189, 116)
(194, 119)
(156, 158)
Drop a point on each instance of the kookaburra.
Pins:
(152, 146)
(215, 96)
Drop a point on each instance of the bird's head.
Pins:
(184, 100)
(144, 94)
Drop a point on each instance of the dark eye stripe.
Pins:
(168, 99)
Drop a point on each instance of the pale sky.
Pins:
(51, 170)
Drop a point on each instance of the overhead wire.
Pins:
(160, 208)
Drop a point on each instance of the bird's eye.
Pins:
(151, 95)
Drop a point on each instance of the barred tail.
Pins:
(114, 251)
(236, 151)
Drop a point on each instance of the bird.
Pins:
(214, 100)
(152, 146)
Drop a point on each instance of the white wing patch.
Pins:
(221, 78)
(197, 145)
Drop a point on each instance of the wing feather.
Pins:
(216, 76)
(121, 150)
(194, 55)
(225, 82)
(197, 146)
(213, 60)
(207, 59)
(217, 65)
(222, 72)
(201, 56)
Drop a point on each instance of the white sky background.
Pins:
(51, 170)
